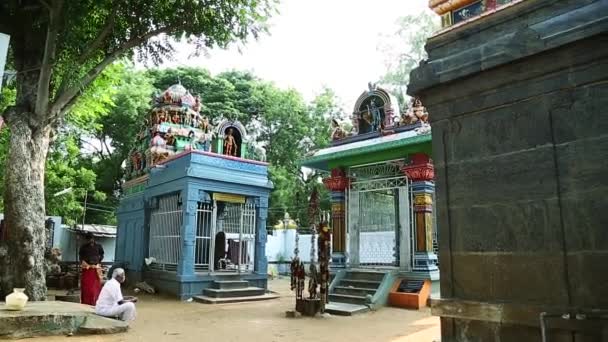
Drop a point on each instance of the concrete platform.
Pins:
(227, 300)
(345, 309)
(55, 318)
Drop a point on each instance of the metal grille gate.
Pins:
(236, 222)
(205, 216)
(379, 217)
(165, 233)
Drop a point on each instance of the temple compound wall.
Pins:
(517, 102)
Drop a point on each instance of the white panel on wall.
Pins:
(4, 39)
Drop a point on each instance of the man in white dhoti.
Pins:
(111, 303)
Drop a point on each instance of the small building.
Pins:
(70, 239)
(382, 193)
(194, 207)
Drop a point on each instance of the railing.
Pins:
(204, 221)
(165, 233)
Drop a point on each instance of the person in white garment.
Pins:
(111, 303)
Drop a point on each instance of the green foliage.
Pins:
(96, 101)
(106, 119)
(405, 49)
(65, 169)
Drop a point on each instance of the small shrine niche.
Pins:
(231, 139)
(374, 110)
(376, 113)
(371, 115)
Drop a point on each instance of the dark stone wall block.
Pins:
(518, 103)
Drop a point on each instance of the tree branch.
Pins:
(92, 48)
(105, 143)
(67, 97)
(50, 48)
(100, 152)
(98, 41)
(46, 4)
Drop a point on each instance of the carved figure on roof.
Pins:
(337, 131)
(355, 123)
(158, 141)
(376, 115)
(204, 124)
(166, 97)
(159, 155)
(170, 138)
(415, 114)
(175, 118)
(136, 161)
(230, 143)
(419, 111)
(197, 104)
(371, 86)
(161, 116)
(174, 94)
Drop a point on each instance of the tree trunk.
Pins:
(22, 253)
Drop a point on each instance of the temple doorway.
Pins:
(226, 235)
(379, 218)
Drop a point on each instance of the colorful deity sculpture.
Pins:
(415, 114)
(337, 131)
(230, 143)
(376, 116)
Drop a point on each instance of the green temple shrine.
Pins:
(382, 192)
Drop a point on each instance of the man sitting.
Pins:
(111, 303)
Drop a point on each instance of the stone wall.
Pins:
(518, 102)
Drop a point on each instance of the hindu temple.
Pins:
(192, 220)
(380, 175)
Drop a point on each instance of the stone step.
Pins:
(355, 291)
(211, 300)
(227, 276)
(350, 299)
(368, 284)
(365, 275)
(230, 284)
(231, 293)
(97, 325)
(345, 309)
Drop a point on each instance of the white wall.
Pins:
(375, 247)
(69, 242)
(4, 39)
(282, 242)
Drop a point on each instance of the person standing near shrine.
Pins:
(91, 255)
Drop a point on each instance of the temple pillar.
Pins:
(260, 260)
(191, 198)
(421, 173)
(337, 184)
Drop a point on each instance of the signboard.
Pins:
(3, 52)
(228, 198)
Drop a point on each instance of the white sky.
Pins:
(313, 43)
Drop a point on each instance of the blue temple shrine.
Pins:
(192, 220)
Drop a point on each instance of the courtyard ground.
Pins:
(166, 319)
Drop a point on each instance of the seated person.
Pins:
(111, 303)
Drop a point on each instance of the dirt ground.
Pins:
(165, 319)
